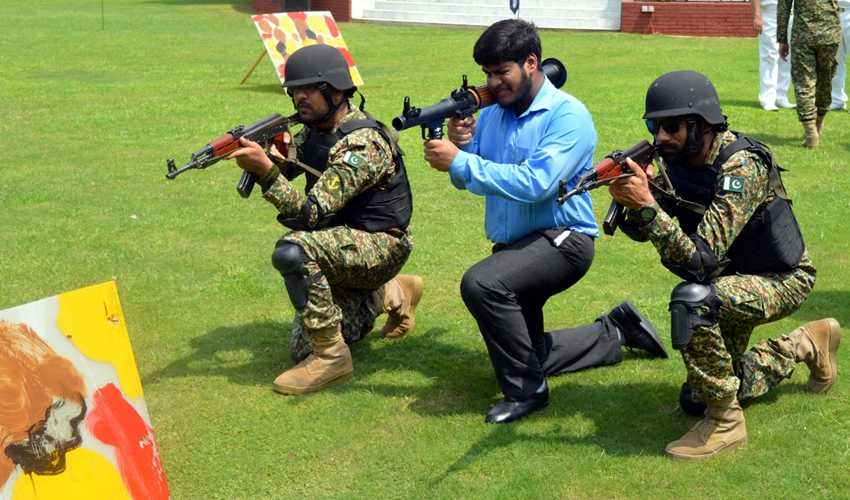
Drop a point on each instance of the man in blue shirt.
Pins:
(514, 156)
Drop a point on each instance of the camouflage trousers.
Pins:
(716, 358)
(812, 69)
(346, 267)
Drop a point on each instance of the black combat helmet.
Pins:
(682, 93)
(316, 64)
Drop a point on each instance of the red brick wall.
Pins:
(340, 9)
(721, 19)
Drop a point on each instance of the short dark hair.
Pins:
(507, 40)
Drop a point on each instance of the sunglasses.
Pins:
(670, 125)
(307, 89)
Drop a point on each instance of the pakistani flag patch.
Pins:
(733, 184)
(352, 159)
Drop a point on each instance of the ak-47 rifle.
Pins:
(270, 130)
(612, 167)
(462, 102)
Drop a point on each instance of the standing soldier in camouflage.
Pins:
(350, 234)
(738, 248)
(815, 36)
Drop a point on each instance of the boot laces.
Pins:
(708, 425)
(309, 359)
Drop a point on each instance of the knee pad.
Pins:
(685, 298)
(289, 258)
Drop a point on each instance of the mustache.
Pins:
(669, 149)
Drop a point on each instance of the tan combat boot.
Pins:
(722, 430)
(819, 125)
(328, 365)
(401, 296)
(812, 137)
(816, 343)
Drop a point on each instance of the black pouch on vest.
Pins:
(770, 242)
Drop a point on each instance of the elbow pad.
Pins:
(303, 221)
(703, 266)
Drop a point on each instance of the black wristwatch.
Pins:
(647, 213)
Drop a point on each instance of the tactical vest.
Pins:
(771, 240)
(375, 209)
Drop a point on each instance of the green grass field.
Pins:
(93, 102)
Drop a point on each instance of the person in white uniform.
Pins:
(839, 97)
(774, 73)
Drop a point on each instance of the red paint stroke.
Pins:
(347, 55)
(301, 16)
(332, 27)
(114, 421)
(265, 36)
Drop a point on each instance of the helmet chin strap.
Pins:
(694, 143)
(332, 108)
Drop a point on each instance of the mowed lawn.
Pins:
(95, 96)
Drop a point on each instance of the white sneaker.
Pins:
(769, 107)
(836, 107)
(785, 104)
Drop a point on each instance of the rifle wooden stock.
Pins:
(614, 165)
(610, 168)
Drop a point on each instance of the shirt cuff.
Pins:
(458, 166)
(268, 180)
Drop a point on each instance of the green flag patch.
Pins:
(353, 160)
(733, 184)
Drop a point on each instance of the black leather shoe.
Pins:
(638, 331)
(507, 411)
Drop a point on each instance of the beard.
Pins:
(309, 115)
(522, 93)
(676, 155)
(672, 155)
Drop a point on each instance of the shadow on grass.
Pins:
(619, 419)
(625, 419)
(246, 354)
(825, 304)
(458, 380)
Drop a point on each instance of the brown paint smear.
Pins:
(31, 375)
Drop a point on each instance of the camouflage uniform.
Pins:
(351, 264)
(815, 36)
(716, 359)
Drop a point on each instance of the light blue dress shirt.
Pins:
(516, 162)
